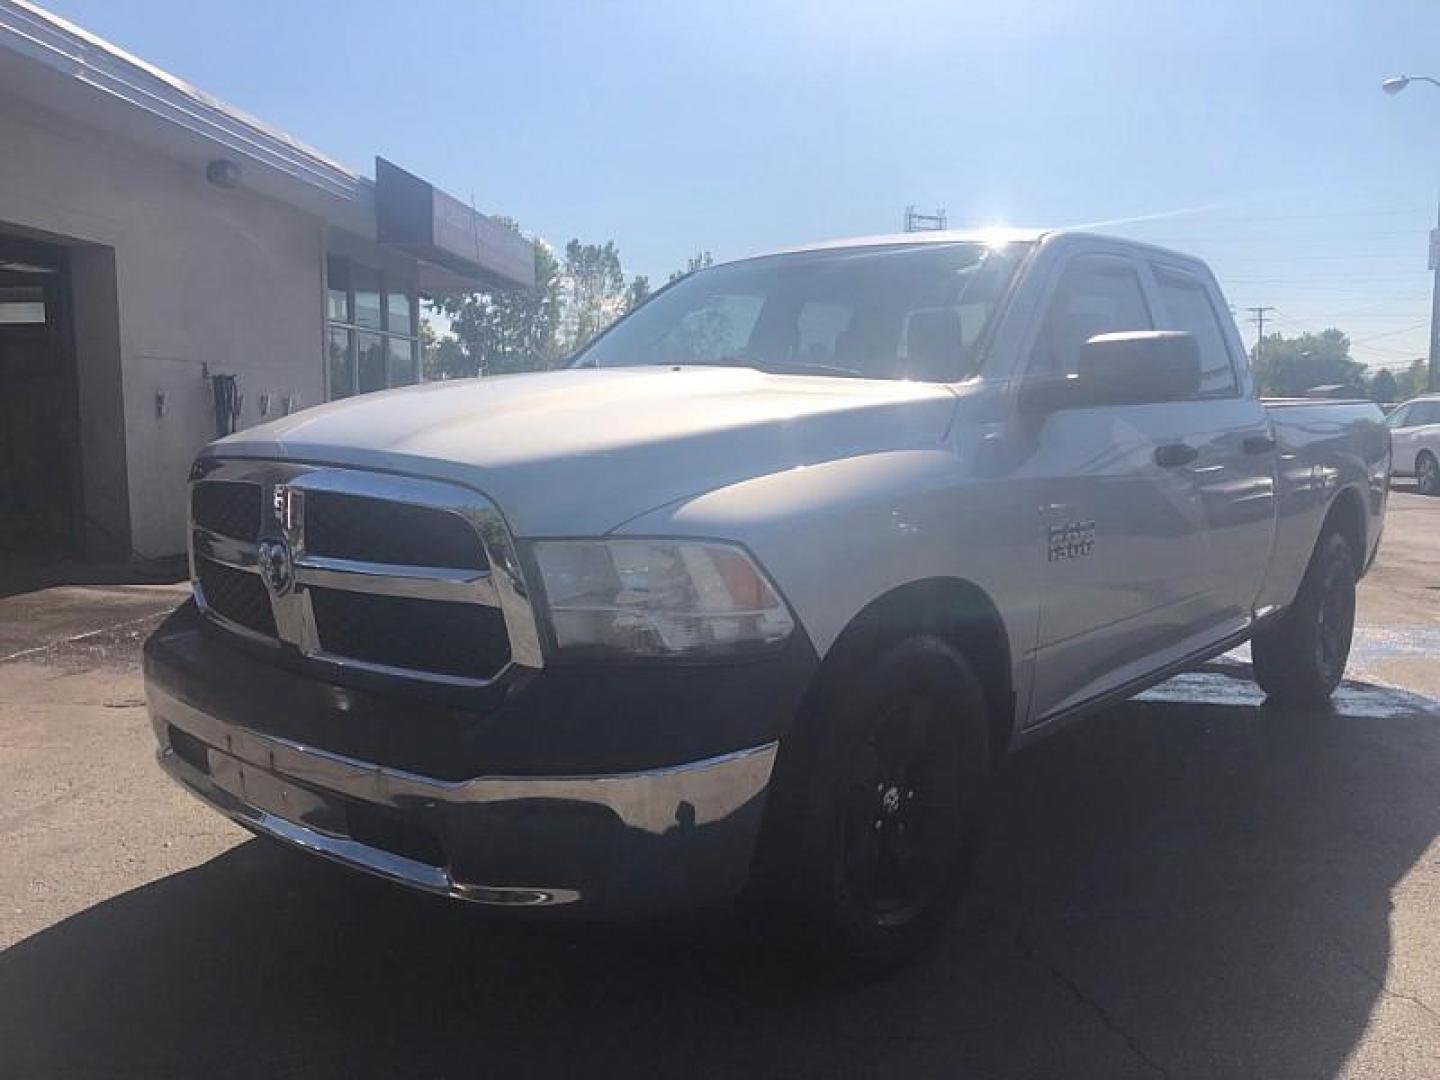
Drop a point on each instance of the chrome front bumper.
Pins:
(612, 844)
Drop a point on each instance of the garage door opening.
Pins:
(39, 416)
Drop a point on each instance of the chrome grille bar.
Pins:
(386, 579)
(283, 487)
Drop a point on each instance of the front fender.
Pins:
(838, 535)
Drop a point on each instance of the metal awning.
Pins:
(462, 246)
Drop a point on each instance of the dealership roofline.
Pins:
(72, 72)
(79, 54)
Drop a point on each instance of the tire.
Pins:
(1300, 659)
(875, 812)
(1427, 473)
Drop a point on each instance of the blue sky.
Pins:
(1256, 131)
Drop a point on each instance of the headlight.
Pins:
(659, 598)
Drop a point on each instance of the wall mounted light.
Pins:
(223, 173)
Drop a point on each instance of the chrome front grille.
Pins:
(409, 577)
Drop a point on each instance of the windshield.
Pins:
(897, 312)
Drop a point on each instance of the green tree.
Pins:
(595, 288)
(505, 330)
(701, 260)
(444, 357)
(637, 292)
(1382, 386)
(1289, 366)
(508, 330)
(1413, 380)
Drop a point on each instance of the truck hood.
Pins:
(579, 452)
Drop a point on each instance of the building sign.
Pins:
(420, 219)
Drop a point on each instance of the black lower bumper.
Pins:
(442, 796)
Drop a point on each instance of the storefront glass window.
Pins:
(342, 362)
(371, 368)
(402, 361)
(373, 332)
(367, 307)
(337, 291)
(398, 313)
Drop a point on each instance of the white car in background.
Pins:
(1415, 436)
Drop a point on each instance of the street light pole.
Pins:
(1393, 86)
(1433, 379)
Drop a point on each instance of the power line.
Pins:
(1348, 283)
(1393, 353)
(1169, 222)
(1368, 308)
(1352, 257)
(1390, 333)
(1395, 362)
(1247, 236)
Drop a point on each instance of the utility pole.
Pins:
(1257, 316)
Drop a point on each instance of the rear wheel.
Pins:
(876, 811)
(1300, 659)
(1427, 473)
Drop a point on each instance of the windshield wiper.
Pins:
(790, 366)
(787, 367)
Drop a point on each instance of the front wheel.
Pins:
(1427, 473)
(873, 825)
(1300, 659)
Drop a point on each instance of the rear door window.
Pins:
(1188, 307)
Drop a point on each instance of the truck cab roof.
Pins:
(997, 236)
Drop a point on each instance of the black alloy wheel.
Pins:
(875, 806)
(1300, 657)
(902, 822)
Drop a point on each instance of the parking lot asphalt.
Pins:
(1189, 885)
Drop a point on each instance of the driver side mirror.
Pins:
(1138, 367)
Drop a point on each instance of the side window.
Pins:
(1424, 412)
(818, 327)
(1188, 307)
(1399, 418)
(1097, 294)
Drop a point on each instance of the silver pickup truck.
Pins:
(747, 603)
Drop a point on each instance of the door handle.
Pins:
(1258, 444)
(1172, 455)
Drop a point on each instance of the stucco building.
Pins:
(170, 267)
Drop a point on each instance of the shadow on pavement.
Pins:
(1198, 889)
(18, 577)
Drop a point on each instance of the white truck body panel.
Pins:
(575, 453)
(846, 489)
